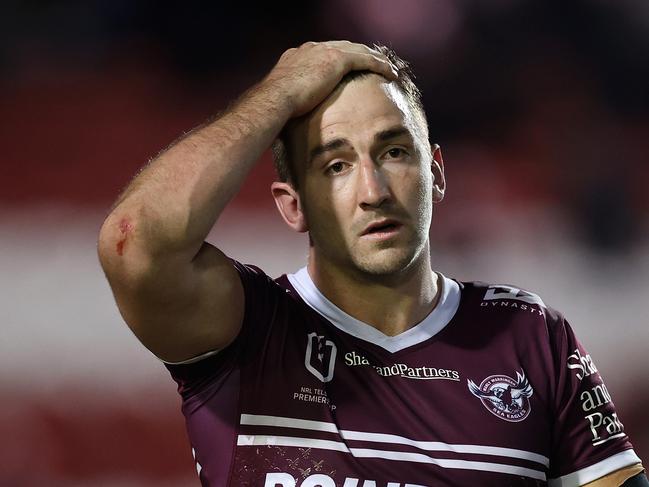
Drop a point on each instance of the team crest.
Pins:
(503, 396)
(320, 357)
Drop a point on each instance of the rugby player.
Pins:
(366, 367)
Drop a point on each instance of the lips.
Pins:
(381, 227)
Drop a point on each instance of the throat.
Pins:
(391, 310)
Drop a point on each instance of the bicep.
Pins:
(183, 309)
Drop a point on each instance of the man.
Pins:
(365, 368)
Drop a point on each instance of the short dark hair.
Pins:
(405, 82)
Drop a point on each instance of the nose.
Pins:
(373, 190)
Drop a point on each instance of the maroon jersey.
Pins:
(491, 388)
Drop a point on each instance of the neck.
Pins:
(390, 303)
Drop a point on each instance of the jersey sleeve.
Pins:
(588, 437)
(206, 373)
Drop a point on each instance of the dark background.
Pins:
(541, 108)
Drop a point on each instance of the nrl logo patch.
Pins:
(503, 396)
(320, 357)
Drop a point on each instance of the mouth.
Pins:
(382, 229)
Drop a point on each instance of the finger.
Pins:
(372, 62)
(341, 44)
(353, 47)
(348, 46)
(359, 57)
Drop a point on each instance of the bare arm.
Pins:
(179, 294)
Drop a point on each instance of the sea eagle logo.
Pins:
(503, 396)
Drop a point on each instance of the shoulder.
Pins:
(258, 285)
(270, 301)
(254, 276)
(512, 316)
(508, 300)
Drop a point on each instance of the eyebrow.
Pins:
(392, 133)
(332, 145)
(335, 144)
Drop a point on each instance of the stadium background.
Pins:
(542, 110)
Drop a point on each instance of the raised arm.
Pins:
(180, 295)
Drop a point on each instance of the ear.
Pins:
(437, 168)
(288, 203)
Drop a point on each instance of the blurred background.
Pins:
(542, 111)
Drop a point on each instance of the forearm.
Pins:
(170, 207)
(173, 203)
(179, 295)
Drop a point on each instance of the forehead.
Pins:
(355, 111)
(363, 100)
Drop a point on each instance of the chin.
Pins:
(386, 262)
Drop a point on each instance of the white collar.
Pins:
(438, 318)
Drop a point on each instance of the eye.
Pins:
(395, 153)
(336, 167)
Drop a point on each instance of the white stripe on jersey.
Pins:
(256, 440)
(438, 318)
(598, 470)
(350, 435)
(305, 424)
(439, 446)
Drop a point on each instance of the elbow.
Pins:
(115, 235)
(113, 239)
(119, 254)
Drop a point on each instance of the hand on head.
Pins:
(307, 74)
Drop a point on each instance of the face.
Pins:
(365, 178)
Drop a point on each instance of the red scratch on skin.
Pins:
(124, 228)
